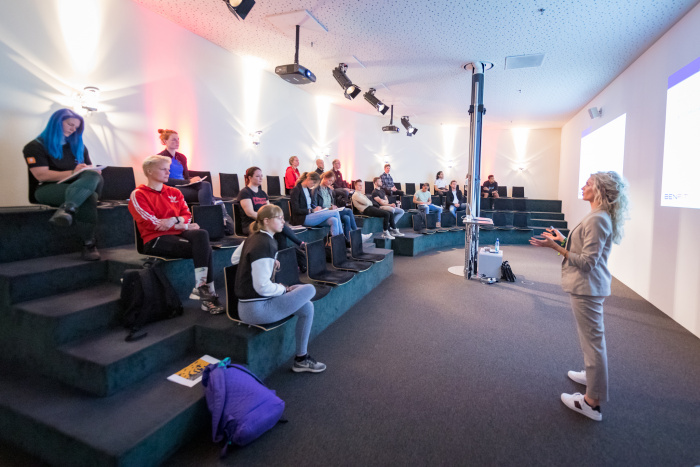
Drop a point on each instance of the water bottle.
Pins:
(497, 245)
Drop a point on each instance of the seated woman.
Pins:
(364, 205)
(165, 226)
(324, 196)
(57, 153)
(262, 301)
(305, 212)
(440, 184)
(291, 175)
(200, 191)
(252, 198)
(455, 200)
(379, 200)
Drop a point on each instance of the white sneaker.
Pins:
(438, 225)
(578, 376)
(366, 237)
(396, 233)
(386, 235)
(577, 403)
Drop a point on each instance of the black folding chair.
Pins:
(410, 189)
(119, 182)
(339, 257)
(238, 219)
(369, 187)
(288, 273)
(210, 219)
(316, 265)
(518, 192)
(357, 251)
(503, 191)
(273, 186)
(229, 186)
(397, 185)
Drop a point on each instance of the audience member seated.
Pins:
(343, 189)
(379, 200)
(164, 223)
(440, 184)
(388, 182)
(364, 205)
(320, 166)
(251, 198)
(291, 175)
(490, 188)
(424, 203)
(262, 301)
(305, 212)
(455, 200)
(196, 191)
(57, 153)
(324, 196)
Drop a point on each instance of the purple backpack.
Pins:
(242, 407)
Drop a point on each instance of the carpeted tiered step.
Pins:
(557, 224)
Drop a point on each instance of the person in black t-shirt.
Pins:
(490, 188)
(380, 201)
(56, 154)
(260, 300)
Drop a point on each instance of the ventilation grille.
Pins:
(524, 61)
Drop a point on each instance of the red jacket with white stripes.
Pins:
(147, 205)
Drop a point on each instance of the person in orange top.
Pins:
(292, 173)
(164, 223)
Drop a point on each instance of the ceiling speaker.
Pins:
(595, 112)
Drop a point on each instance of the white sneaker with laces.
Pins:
(578, 376)
(386, 235)
(366, 237)
(577, 403)
(396, 233)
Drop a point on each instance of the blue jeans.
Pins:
(331, 218)
(453, 208)
(428, 208)
(348, 220)
(398, 212)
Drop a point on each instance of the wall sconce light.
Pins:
(255, 137)
(89, 97)
(595, 112)
(449, 164)
(521, 168)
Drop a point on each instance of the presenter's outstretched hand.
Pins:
(554, 234)
(544, 241)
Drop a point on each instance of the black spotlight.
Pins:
(376, 103)
(240, 8)
(410, 130)
(351, 90)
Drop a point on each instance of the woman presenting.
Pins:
(585, 276)
(57, 153)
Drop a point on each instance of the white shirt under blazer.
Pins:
(585, 271)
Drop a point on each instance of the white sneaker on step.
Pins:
(396, 233)
(366, 237)
(387, 236)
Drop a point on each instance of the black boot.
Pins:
(90, 252)
(63, 217)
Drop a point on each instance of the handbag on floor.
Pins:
(506, 272)
(242, 407)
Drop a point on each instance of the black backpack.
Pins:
(147, 296)
(507, 272)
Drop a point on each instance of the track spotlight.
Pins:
(351, 90)
(410, 130)
(391, 128)
(376, 103)
(240, 8)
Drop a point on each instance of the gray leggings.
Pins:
(296, 302)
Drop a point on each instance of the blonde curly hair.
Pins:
(611, 193)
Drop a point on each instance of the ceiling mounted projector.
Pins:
(391, 128)
(295, 73)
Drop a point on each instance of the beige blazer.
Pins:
(585, 271)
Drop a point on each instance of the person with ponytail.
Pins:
(166, 228)
(197, 190)
(303, 209)
(324, 196)
(57, 153)
(585, 276)
(260, 299)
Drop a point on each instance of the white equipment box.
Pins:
(490, 263)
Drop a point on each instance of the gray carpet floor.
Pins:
(431, 369)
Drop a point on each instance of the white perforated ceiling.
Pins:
(417, 49)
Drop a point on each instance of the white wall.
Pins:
(658, 257)
(154, 74)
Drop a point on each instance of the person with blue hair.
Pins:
(56, 154)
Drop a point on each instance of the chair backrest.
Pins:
(431, 220)
(231, 297)
(119, 182)
(407, 202)
(316, 258)
(238, 219)
(339, 252)
(397, 185)
(229, 185)
(499, 219)
(201, 174)
(356, 242)
(410, 188)
(273, 185)
(288, 273)
(503, 191)
(138, 239)
(369, 187)
(210, 218)
(436, 199)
